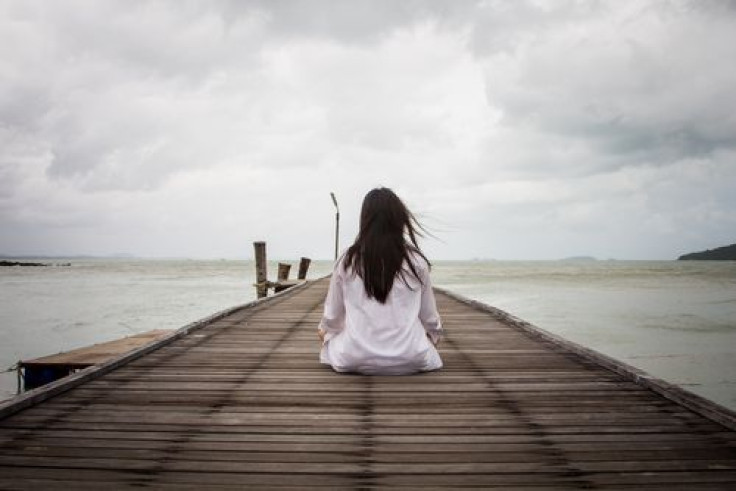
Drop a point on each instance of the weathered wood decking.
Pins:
(241, 401)
(97, 353)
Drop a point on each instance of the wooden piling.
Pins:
(261, 269)
(282, 277)
(284, 269)
(303, 268)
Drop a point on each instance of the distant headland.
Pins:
(725, 253)
(17, 263)
(27, 263)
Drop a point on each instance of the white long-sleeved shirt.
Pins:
(365, 336)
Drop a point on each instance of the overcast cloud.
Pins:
(515, 129)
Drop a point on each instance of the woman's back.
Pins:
(380, 338)
(376, 322)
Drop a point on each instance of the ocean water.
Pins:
(47, 310)
(673, 319)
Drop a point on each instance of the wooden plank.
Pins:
(707, 408)
(243, 402)
(41, 394)
(98, 353)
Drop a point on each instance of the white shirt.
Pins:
(365, 336)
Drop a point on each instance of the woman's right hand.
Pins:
(434, 343)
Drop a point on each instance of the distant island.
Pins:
(26, 263)
(16, 263)
(725, 253)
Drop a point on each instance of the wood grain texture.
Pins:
(242, 401)
(98, 353)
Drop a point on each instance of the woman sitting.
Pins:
(380, 316)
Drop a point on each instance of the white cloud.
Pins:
(516, 129)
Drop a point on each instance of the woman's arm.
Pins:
(333, 317)
(428, 314)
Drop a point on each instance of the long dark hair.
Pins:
(387, 238)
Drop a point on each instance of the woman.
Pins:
(380, 315)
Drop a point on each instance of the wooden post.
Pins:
(261, 273)
(284, 269)
(303, 268)
(282, 276)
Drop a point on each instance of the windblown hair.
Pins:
(386, 241)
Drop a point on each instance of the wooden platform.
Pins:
(240, 401)
(97, 353)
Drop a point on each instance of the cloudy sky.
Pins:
(514, 129)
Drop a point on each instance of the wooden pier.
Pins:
(41, 371)
(240, 401)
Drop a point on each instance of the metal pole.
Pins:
(337, 224)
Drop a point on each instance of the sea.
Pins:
(675, 320)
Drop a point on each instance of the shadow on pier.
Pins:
(240, 400)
